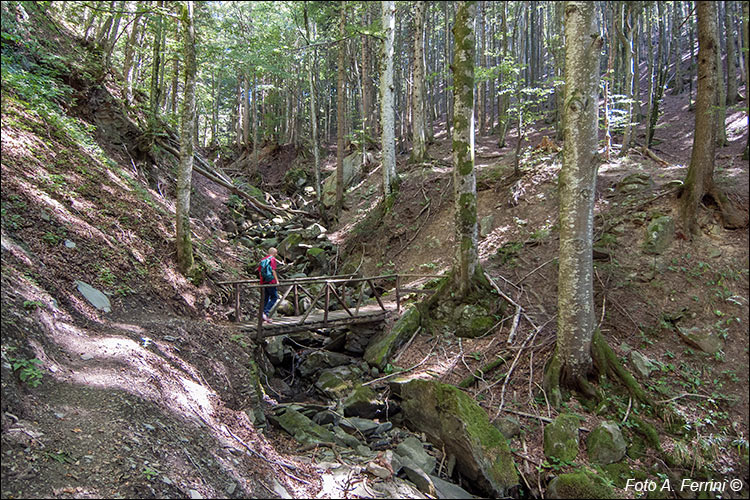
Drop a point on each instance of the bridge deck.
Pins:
(288, 324)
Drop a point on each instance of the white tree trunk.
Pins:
(419, 136)
(387, 115)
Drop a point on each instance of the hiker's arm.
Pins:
(276, 276)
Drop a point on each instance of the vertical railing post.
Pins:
(296, 300)
(260, 313)
(328, 301)
(398, 296)
(237, 317)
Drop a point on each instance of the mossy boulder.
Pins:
(452, 419)
(634, 182)
(383, 345)
(317, 257)
(659, 235)
(363, 402)
(289, 247)
(705, 340)
(332, 385)
(561, 438)
(352, 168)
(580, 484)
(606, 444)
(472, 321)
(303, 429)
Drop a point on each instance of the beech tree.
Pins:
(419, 135)
(464, 179)
(575, 303)
(387, 115)
(187, 124)
(699, 181)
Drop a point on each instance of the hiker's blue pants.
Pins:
(270, 299)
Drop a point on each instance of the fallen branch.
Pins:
(402, 371)
(539, 417)
(652, 155)
(403, 350)
(479, 373)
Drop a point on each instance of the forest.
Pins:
(507, 248)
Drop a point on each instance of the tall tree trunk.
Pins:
(128, 66)
(626, 38)
(577, 185)
(731, 68)
(419, 136)
(481, 92)
(746, 39)
(699, 181)
(155, 64)
(366, 95)
(340, 113)
(256, 123)
(677, 40)
(175, 79)
(313, 106)
(387, 112)
(464, 178)
(721, 95)
(503, 96)
(184, 175)
(246, 112)
(448, 95)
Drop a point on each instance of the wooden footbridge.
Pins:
(328, 302)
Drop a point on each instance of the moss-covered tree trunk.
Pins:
(464, 180)
(341, 110)
(575, 303)
(419, 136)
(721, 94)
(699, 180)
(387, 115)
(153, 104)
(185, 172)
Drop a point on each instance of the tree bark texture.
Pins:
(464, 179)
(387, 112)
(340, 110)
(185, 172)
(575, 303)
(419, 137)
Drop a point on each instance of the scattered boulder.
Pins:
(317, 257)
(276, 350)
(705, 340)
(659, 235)
(318, 360)
(352, 168)
(419, 477)
(303, 429)
(641, 364)
(561, 438)
(289, 247)
(356, 426)
(634, 182)
(94, 296)
(412, 449)
(332, 385)
(363, 402)
(472, 320)
(485, 225)
(508, 426)
(444, 489)
(452, 418)
(383, 345)
(580, 484)
(606, 444)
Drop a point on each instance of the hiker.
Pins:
(268, 276)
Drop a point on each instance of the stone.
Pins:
(319, 360)
(345, 438)
(313, 231)
(705, 340)
(485, 225)
(561, 438)
(445, 489)
(659, 235)
(472, 321)
(393, 460)
(70, 244)
(94, 296)
(412, 448)
(289, 246)
(605, 444)
(363, 402)
(641, 364)
(383, 345)
(419, 477)
(634, 182)
(352, 168)
(86, 356)
(356, 425)
(194, 494)
(303, 429)
(580, 484)
(276, 350)
(280, 490)
(452, 419)
(317, 257)
(378, 470)
(508, 426)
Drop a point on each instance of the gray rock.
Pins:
(94, 296)
(485, 225)
(418, 476)
(383, 345)
(378, 470)
(363, 402)
(634, 182)
(412, 448)
(275, 349)
(352, 168)
(346, 439)
(86, 356)
(659, 235)
(70, 244)
(705, 340)
(333, 386)
(280, 490)
(364, 451)
(393, 460)
(641, 364)
(451, 418)
(303, 429)
(472, 321)
(605, 444)
(508, 426)
(355, 425)
(445, 489)
(319, 360)
(195, 495)
(561, 438)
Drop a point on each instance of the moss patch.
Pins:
(385, 344)
(561, 438)
(581, 484)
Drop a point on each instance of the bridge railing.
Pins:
(333, 288)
